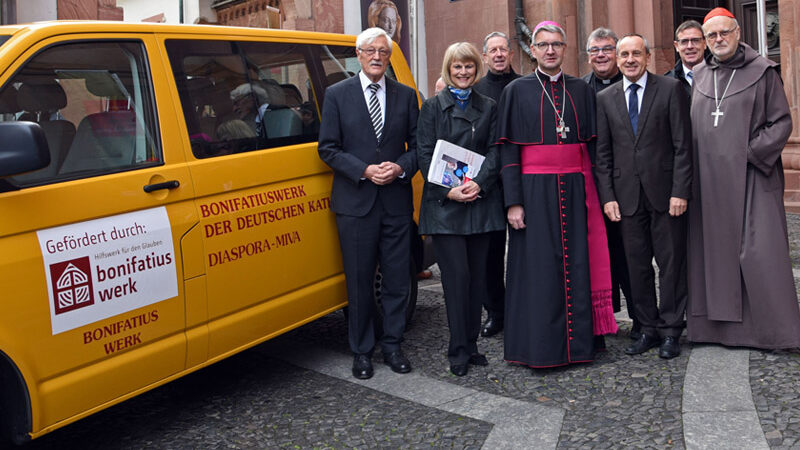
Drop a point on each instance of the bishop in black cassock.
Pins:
(558, 287)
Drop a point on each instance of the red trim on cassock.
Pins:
(548, 367)
(574, 158)
(507, 165)
(567, 297)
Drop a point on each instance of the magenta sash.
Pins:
(574, 158)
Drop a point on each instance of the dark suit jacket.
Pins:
(658, 159)
(677, 73)
(347, 143)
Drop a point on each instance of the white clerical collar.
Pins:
(642, 82)
(365, 82)
(553, 78)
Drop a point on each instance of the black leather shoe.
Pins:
(362, 367)
(599, 343)
(492, 326)
(669, 348)
(476, 359)
(636, 332)
(397, 361)
(644, 344)
(459, 370)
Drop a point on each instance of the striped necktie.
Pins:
(375, 110)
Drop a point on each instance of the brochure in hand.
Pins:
(452, 165)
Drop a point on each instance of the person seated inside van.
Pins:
(234, 136)
(249, 104)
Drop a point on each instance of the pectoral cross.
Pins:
(562, 129)
(716, 115)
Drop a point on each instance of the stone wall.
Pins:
(88, 10)
(789, 11)
(471, 20)
(463, 20)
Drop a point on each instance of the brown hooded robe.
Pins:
(741, 287)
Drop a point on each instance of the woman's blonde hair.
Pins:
(461, 51)
(234, 129)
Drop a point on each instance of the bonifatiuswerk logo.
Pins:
(72, 284)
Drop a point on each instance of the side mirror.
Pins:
(23, 148)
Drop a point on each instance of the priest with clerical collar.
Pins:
(497, 55)
(741, 287)
(601, 45)
(555, 304)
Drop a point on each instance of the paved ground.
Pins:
(296, 392)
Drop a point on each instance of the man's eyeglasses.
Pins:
(371, 51)
(713, 36)
(693, 41)
(495, 50)
(608, 49)
(556, 45)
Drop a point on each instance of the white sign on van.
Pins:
(105, 267)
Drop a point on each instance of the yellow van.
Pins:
(162, 205)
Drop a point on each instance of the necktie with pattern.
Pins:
(375, 110)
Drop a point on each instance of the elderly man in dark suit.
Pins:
(644, 171)
(368, 137)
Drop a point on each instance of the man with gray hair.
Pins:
(558, 287)
(601, 47)
(644, 176)
(741, 286)
(497, 54)
(249, 104)
(367, 136)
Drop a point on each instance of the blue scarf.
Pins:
(461, 96)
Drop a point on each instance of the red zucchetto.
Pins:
(719, 11)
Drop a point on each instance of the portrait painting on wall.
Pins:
(391, 15)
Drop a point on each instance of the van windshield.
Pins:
(4, 38)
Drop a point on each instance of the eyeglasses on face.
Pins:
(713, 36)
(371, 51)
(693, 41)
(555, 45)
(607, 49)
(496, 50)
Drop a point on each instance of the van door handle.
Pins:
(158, 186)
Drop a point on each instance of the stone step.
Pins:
(792, 178)
(792, 207)
(791, 193)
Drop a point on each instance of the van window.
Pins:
(341, 62)
(243, 96)
(94, 102)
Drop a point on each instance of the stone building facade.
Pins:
(441, 22)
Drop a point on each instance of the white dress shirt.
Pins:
(365, 82)
(642, 82)
(686, 72)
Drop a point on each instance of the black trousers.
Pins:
(649, 233)
(365, 241)
(462, 261)
(620, 278)
(495, 303)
